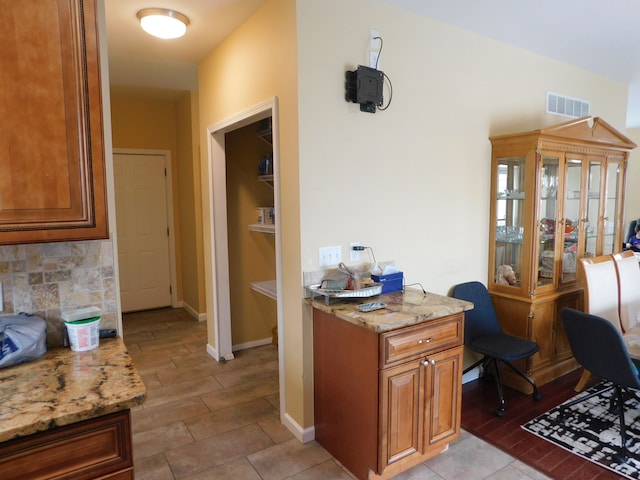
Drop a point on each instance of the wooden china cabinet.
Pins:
(557, 195)
(52, 186)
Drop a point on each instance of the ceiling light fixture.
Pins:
(163, 22)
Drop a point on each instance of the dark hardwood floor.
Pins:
(480, 401)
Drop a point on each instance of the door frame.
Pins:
(168, 185)
(217, 202)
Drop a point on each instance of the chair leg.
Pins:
(617, 397)
(500, 411)
(563, 409)
(536, 394)
(623, 455)
(584, 378)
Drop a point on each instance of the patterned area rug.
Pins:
(592, 432)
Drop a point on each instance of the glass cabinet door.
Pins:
(547, 219)
(509, 219)
(611, 243)
(593, 208)
(570, 222)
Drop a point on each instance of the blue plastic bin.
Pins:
(390, 283)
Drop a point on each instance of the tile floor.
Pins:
(207, 420)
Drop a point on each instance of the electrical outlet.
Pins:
(354, 255)
(329, 256)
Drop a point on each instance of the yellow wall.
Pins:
(190, 248)
(251, 254)
(255, 63)
(143, 122)
(422, 166)
(412, 182)
(632, 197)
(157, 123)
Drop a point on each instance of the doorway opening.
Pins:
(220, 271)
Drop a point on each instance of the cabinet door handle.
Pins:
(426, 363)
(428, 340)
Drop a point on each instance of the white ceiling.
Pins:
(602, 37)
(136, 59)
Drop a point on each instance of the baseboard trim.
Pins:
(254, 343)
(304, 435)
(211, 350)
(201, 317)
(471, 375)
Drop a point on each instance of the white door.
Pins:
(143, 241)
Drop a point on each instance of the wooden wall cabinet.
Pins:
(99, 448)
(52, 186)
(385, 402)
(557, 195)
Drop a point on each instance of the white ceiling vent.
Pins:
(567, 106)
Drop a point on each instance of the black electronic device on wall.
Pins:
(364, 86)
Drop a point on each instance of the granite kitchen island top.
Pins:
(64, 387)
(409, 307)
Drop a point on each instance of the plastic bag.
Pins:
(23, 337)
(342, 278)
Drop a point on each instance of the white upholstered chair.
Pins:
(601, 288)
(612, 291)
(628, 273)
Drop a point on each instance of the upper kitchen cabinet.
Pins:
(52, 162)
(557, 195)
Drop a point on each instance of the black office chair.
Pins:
(598, 346)
(483, 334)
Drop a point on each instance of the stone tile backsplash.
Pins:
(47, 279)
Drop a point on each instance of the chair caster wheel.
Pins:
(499, 413)
(537, 396)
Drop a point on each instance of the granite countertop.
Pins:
(403, 309)
(64, 387)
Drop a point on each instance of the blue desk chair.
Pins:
(598, 346)
(483, 334)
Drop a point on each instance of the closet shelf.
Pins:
(267, 288)
(266, 179)
(264, 228)
(266, 135)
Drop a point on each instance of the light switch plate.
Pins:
(329, 256)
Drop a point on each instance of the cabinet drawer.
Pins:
(97, 448)
(412, 342)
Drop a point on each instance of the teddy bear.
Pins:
(505, 275)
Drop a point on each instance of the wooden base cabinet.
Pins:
(386, 402)
(97, 449)
(417, 413)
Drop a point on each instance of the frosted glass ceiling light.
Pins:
(162, 22)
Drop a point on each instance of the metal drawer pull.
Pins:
(426, 341)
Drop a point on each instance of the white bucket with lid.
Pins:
(83, 328)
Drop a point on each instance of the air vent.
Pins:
(567, 106)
